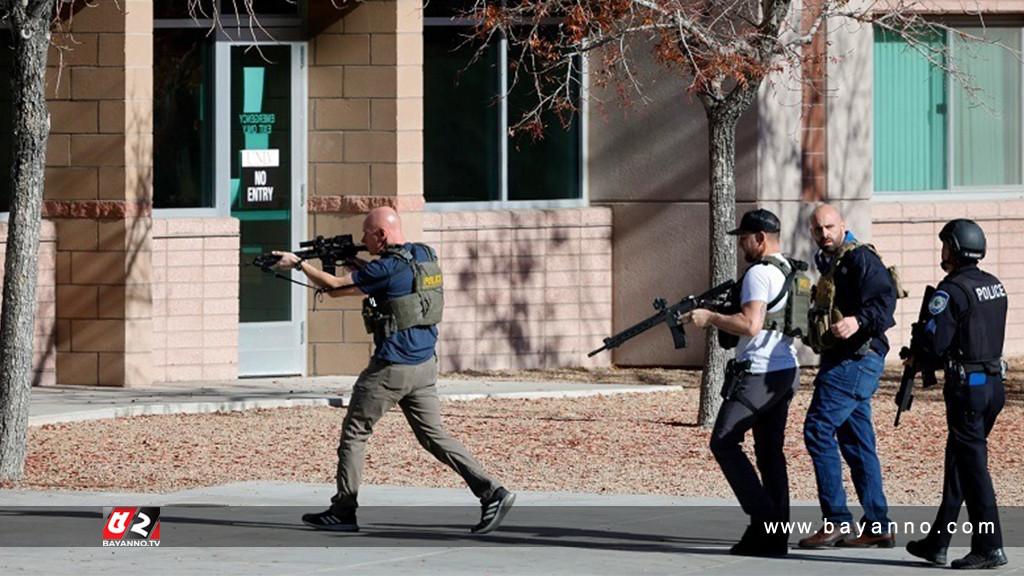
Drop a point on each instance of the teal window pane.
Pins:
(987, 113)
(910, 116)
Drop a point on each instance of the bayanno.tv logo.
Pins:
(131, 526)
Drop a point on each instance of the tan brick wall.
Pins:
(338, 344)
(44, 360)
(365, 150)
(195, 299)
(906, 233)
(366, 103)
(98, 191)
(523, 288)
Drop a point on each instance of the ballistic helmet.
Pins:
(965, 238)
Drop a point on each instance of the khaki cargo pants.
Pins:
(412, 387)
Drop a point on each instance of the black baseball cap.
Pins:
(759, 220)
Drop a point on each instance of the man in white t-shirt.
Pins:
(763, 377)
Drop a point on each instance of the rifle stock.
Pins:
(713, 299)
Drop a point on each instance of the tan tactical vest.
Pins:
(423, 307)
(824, 313)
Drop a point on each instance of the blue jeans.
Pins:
(839, 419)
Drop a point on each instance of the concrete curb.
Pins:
(218, 406)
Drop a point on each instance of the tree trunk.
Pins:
(722, 127)
(31, 35)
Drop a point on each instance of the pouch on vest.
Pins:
(792, 319)
(823, 313)
(423, 307)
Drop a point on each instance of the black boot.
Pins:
(757, 542)
(980, 560)
(927, 551)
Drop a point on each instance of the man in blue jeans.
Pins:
(853, 306)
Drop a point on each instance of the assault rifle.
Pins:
(330, 251)
(714, 299)
(919, 364)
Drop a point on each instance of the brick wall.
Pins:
(366, 109)
(195, 299)
(44, 360)
(523, 288)
(906, 234)
(98, 193)
(365, 149)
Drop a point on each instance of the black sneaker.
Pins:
(981, 560)
(926, 551)
(329, 520)
(493, 511)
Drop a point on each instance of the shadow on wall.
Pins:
(49, 350)
(510, 294)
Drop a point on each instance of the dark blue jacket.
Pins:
(865, 291)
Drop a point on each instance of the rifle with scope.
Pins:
(332, 252)
(715, 299)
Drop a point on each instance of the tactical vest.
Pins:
(423, 307)
(981, 329)
(792, 319)
(824, 313)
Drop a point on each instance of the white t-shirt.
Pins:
(770, 350)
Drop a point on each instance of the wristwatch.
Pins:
(298, 265)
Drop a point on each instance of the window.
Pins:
(183, 142)
(468, 154)
(933, 134)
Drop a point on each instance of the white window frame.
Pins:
(954, 193)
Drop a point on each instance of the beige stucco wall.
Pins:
(649, 166)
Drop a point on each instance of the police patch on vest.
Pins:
(433, 281)
(938, 303)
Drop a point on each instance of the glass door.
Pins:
(263, 175)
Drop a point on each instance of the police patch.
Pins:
(938, 303)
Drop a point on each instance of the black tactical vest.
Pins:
(982, 328)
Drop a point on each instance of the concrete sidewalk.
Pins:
(254, 528)
(55, 404)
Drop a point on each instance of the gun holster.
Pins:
(960, 372)
(734, 373)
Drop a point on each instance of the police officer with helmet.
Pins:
(402, 310)
(965, 336)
